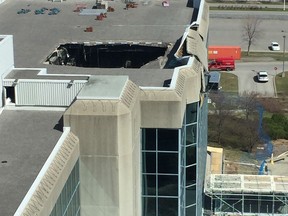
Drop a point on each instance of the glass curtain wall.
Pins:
(68, 203)
(202, 150)
(189, 161)
(172, 179)
(160, 172)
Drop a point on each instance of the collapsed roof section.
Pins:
(192, 44)
(194, 40)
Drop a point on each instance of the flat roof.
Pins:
(36, 36)
(103, 87)
(36, 74)
(27, 139)
(149, 23)
(147, 77)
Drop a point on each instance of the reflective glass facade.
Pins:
(202, 150)
(173, 166)
(189, 161)
(160, 171)
(68, 203)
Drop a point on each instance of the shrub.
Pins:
(277, 126)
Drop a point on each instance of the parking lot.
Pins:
(247, 77)
(231, 32)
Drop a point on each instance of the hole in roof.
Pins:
(107, 55)
(4, 161)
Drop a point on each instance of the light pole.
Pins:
(284, 1)
(284, 38)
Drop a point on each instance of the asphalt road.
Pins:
(228, 24)
(247, 77)
(226, 28)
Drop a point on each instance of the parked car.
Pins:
(262, 76)
(275, 46)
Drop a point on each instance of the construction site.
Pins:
(262, 193)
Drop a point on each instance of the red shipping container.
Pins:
(215, 52)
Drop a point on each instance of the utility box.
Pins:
(214, 80)
(216, 52)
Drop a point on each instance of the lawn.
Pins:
(253, 56)
(281, 85)
(246, 8)
(229, 82)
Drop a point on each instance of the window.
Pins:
(160, 169)
(168, 163)
(149, 184)
(191, 132)
(191, 155)
(149, 162)
(191, 175)
(190, 195)
(167, 185)
(167, 140)
(191, 113)
(68, 202)
(149, 139)
(168, 206)
(149, 206)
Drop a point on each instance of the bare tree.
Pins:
(249, 102)
(251, 31)
(222, 111)
(247, 133)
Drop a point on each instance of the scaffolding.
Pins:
(231, 195)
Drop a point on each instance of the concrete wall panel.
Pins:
(126, 189)
(161, 114)
(99, 187)
(109, 134)
(124, 134)
(97, 133)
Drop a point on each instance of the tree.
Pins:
(249, 102)
(251, 31)
(247, 131)
(222, 111)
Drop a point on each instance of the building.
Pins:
(106, 141)
(247, 194)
